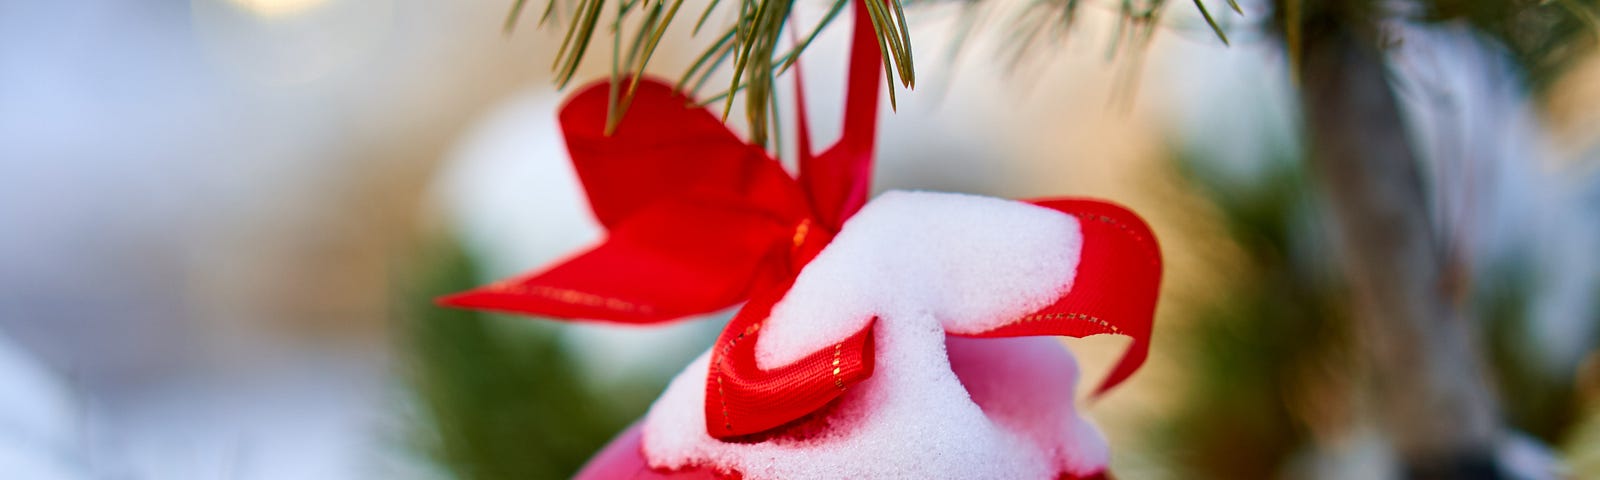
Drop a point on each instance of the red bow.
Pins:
(698, 221)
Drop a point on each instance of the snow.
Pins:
(971, 262)
(38, 420)
(936, 407)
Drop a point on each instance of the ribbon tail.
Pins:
(1114, 290)
(840, 179)
(669, 261)
(861, 96)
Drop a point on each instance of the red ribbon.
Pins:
(698, 221)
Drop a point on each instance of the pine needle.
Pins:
(566, 40)
(741, 57)
(1211, 21)
(704, 15)
(723, 45)
(1120, 31)
(549, 13)
(613, 116)
(714, 99)
(776, 116)
(794, 55)
(516, 12)
(875, 10)
(582, 30)
(655, 39)
(908, 75)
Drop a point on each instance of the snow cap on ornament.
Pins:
(909, 341)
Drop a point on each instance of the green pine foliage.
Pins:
(753, 45)
(1545, 36)
(1272, 364)
(1268, 363)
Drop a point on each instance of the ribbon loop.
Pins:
(693, 214)
(743, 399)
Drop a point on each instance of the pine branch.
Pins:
(752, 44)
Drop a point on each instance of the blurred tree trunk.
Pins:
(1429, 391)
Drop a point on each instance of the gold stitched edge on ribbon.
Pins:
(1070, 316)
(722, 396)
(575, 297)
(727, 349)
(1139, 237)
(838, 352)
